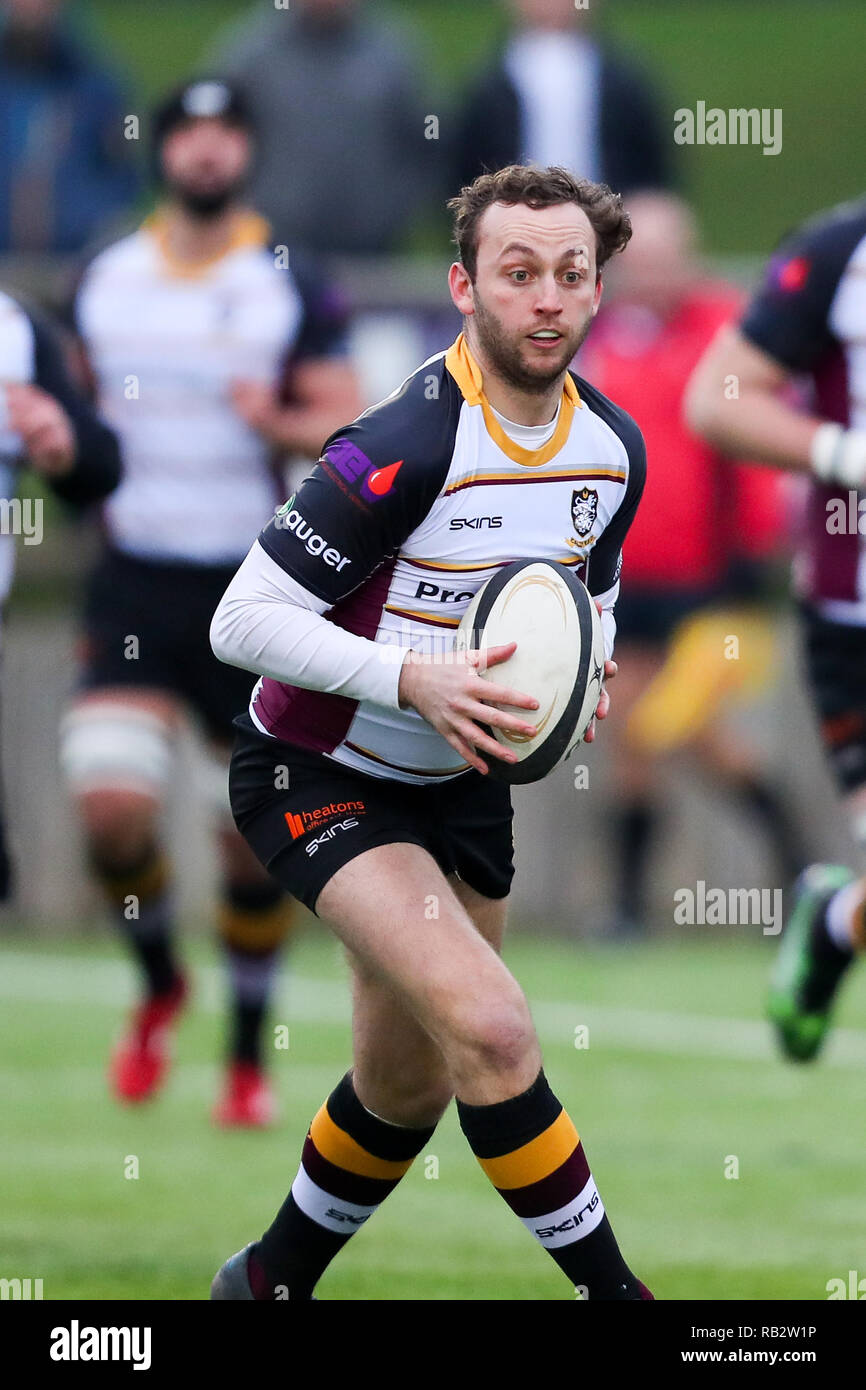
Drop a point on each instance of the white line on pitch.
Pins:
(99, 981)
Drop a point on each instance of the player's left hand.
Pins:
(601, 709)
(45, 428)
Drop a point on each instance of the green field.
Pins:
(679, 1077)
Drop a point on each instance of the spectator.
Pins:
(338, 103)
(558, 95)
(64, 168)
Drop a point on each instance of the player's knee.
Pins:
(500, 1035)
(110, 748)
(120, 830)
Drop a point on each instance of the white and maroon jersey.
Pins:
(165, 344)
(410, 510)
(810, 315)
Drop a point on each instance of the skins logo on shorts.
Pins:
(354, 466)
(300, 823)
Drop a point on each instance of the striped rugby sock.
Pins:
(531, 1152)
(350, 1163)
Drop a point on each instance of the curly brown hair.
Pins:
(539, 188)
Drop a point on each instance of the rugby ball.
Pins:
(559, 659)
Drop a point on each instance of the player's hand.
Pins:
(448, 692)
(257, 406)
(601, 709)
(45, 429)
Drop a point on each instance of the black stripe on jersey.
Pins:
(788, 319)
(539, 763)
(605, 560)
(339, 528)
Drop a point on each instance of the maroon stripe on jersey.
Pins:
(581, 477)
(555, 1191)
(832, 559)
(348, 1187)
(309, 718)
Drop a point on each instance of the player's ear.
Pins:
(599, 290)
(461, 289)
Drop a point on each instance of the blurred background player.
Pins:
(559, 94)
(694, 554)
(46, 426)
(66, 169)
(809, 320)
(206, 351)
(339, 104)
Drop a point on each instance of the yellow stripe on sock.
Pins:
(250, 930)
(535, 1160)
(145, 884)
(340, 1148)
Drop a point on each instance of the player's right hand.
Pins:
(448, 692)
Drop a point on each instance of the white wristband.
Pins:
(838, 455)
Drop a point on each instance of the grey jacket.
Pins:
(343, 159)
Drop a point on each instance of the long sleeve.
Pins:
(271, 625)
(97, 469)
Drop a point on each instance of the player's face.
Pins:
(535, 292)
(206, 158)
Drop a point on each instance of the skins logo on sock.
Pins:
(301, 822)
(347, 1216)
(544, 1232)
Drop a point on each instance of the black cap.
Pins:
(207, 97)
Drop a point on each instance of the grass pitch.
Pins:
(678, 1086)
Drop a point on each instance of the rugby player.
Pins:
(808, 321)
(47, 425)
(391, 830)
(209, 350)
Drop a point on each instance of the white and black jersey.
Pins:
(31, 355)
(165, 342)
(409, 511)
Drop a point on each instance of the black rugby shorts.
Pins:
(328, 814)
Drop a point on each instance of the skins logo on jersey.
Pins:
(353, 465)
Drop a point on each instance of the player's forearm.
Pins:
(267, 625)
(303, 429)
(758, 425)
(95, 468)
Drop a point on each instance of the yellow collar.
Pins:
(466, 372)
(249, 230)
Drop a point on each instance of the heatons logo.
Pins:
(300, 823)
(354, 466)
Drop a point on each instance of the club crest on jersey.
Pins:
(355, 467)
(584, 511)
